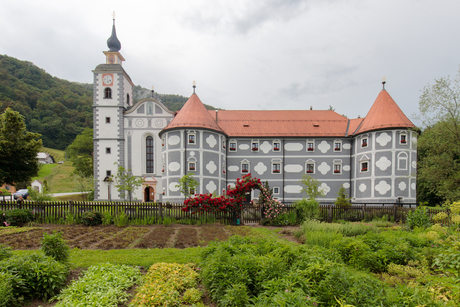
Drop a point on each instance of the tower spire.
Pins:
(113, 43)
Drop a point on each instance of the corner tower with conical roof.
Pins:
(193, 143)
(111, 96)
(384, 155)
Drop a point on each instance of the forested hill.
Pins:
(57, 109)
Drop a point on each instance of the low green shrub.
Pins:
(91, 218)
(6, 290)
(107, 218)
(121, 219)
(54, 245)
(18, 217)
(2, 218)
(5, 252)
(307, 210)
(418, 218)
(101, 285)
(37, 276)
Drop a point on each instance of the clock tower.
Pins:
(113, 90)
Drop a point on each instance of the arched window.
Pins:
(149, 154)
(107, 92)
(402, 161)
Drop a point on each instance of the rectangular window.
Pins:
(337, 146)
(364, 167)
(276, 190)
(276, 168)
(149, 154)
(191, 138)
(232, 146)
(337, 168)
(245, 168)
(108, 173)
(310, 168)
(191, 166)
(107, 150)
(364, 142)
(403, 139)
(311, 146)
(107, 120)
(276, 146)
(255, 146)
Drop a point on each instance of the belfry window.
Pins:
(107, 92)
(149, 154)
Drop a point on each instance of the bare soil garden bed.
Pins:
(112, 237)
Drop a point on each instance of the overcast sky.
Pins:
(248, 54)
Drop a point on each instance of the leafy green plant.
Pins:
(37, 275)
(235, 296)
(121, 219)
(307, 209)
(192, 296)
(342, 201)
(70, 218)
(107, 218)
(54, 245)
(91, 218)
(418, 218)
(18, 217)
(5, 252)
(163, 285)
(101, 285)
(6, 289)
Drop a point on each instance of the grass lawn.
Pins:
(60, 179)
(45, 170)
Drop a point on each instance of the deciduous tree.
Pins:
(18, 149)
(439, 143)
(125, 182)
(80, 152)
(187, 185)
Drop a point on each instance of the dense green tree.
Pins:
(18, 149)
(439, 144)
(80, 152)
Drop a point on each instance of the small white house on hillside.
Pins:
(45, 158)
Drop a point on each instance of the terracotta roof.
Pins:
(299, 123)
(193, 115)
(354, 124)
(384, 113)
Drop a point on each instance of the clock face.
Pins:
(111, 59)
(107, 79)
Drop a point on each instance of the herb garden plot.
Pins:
(96, 236)
(186, 237)
(211, 233)
(24, 240)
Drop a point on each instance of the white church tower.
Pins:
(112, 95)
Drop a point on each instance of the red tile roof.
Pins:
(299, 123)
(193, 115)
(384, 113)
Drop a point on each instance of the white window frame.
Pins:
(403, 157)
(276, 190)
(276, 162)
(245, 161)
(189, 134)
(364, 142)
(312, 148)
(310, 162)
(230, 145)
(337, 164)
(279, 145)
(256, 143)
(190, 161)
(361, 166)
(339, 143)
(405, 136)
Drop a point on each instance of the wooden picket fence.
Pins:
(156, 212)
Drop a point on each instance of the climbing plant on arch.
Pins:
(231, 201)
